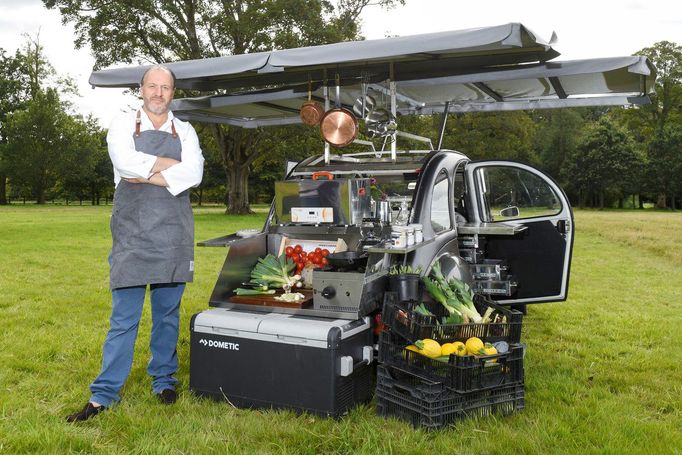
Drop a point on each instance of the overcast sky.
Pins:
(585, 28)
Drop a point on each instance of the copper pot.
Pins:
(311, 111)
(339, 127)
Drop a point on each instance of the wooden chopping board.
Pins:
(269, 300)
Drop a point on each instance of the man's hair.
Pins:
(158, 67)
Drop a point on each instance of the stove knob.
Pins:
(328, 292)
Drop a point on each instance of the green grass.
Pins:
(602, 369)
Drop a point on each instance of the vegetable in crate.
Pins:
(457, 348)
(454, 295)
(427, 347)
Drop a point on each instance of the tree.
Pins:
(605, 163)
(13, 96)
(45, 146)
(126, 31)
(665, 169)
(503, 135)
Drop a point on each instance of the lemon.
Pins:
(474, 346)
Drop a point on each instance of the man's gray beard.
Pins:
(160, 110)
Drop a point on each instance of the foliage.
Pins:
(605, 161)
(503, 135)
(45, 145)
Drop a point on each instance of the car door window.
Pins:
(509, 193)
(440, 203)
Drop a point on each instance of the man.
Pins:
(156, 160)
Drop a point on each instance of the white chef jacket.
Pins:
(129, 163)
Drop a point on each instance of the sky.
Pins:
(585, 29)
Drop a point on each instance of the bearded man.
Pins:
(156, 160)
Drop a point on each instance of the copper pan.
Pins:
(339, 127)
(311, 111)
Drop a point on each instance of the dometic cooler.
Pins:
(272, 360)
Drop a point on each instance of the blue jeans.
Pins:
(117, 352)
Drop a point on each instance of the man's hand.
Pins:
(162, 163)
(138, 180)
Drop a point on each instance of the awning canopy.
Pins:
(505, 67)
(595, 82)
(413, 57)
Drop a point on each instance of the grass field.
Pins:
(603, 370)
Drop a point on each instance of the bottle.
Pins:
(403, 215)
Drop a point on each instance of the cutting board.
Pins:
(269, 300)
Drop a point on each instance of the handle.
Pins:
(327, 174)
(328, 292)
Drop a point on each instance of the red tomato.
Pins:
(298, 249)
(304, 254)
(324, 261)
(316, 258)
(296, 257)
(318, 250)
(289, 250)
(325, 252)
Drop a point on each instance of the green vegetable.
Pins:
(244, 291)
(453, 294)
(421, 309)
(273, 271)
(404, 270)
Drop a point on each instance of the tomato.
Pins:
(316, 258)
(296, 257)
(298, 249)
(289, 250)
(304, 255)
(324, 261)
(325, 252)
(318, 250)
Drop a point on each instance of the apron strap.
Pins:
(138, 122)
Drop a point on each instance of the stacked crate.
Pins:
(434, 393)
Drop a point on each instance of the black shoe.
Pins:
(88, 411)
(167, 396)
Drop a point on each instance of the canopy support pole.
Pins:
(327, 147)
(394, 137)
(446, 111)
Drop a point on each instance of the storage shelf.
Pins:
(385, 247)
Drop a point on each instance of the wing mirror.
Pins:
(509, 212)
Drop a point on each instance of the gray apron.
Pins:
(152, 230)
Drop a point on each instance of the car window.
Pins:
(510, 193)
(440, 203)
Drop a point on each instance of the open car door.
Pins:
(539, 256)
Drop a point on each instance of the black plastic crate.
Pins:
(404, 321)
(432, 405)
(463, 374)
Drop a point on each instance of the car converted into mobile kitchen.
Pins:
(498, 234)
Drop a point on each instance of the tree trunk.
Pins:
(237, 150)
(661, 202)
(621, 202)
(601, 200)
(3, 189)
(641, 201)
(672, 201)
